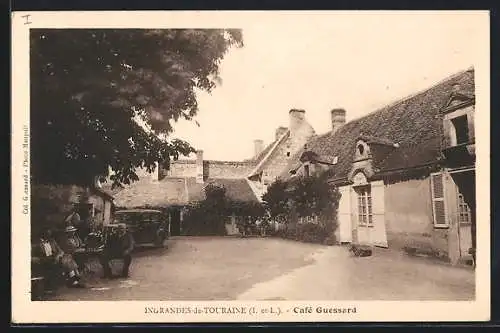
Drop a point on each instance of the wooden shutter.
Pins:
(438, 199)
(344, 215)
(378, 235)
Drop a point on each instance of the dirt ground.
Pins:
(218, 268)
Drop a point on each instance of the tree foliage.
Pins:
(276, 199)
(304, 196)
(314, 196)
(207, 217)
(88, 88)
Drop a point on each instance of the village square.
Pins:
(378, 206)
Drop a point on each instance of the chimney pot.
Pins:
(199, 167)
(297, 117)
(258, 146)
(338, 118)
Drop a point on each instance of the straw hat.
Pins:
(70, 228)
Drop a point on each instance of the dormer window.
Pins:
(361, 149)
(460, 129)
(458, 121)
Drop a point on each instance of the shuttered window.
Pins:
(438, 200)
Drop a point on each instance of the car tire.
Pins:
(160, 241)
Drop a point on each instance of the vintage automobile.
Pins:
(148, 226)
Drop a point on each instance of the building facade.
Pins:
(52, 203)
(406, 172)
(245, 181)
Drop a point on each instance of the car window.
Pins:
(134, 218)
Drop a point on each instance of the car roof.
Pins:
(138, 211)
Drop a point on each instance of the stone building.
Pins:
(183, 184)
(406, 172)
(245, 181)
(276, 156)
(52, 203)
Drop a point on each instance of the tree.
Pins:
(314, 196)
(276, 199)
(88, 88)
(207, 217)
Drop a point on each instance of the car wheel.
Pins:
(160, 241)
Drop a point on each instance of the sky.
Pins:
(317, 63)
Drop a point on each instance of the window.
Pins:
(287, 154)
(461, 128)
(361, 149)
(464, 213)
(438, 200)
(306, 170)
(365, 215)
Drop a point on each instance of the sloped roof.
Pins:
(180, 191)
(267, 153)
(236, 189)
(263, 153)
(413, 123)
(167, 192)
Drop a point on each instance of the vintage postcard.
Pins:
(250, 166)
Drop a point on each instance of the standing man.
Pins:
(119, 245)
(73, 218)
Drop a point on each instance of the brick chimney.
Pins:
(338, 119)
(297, 117)
(258, 146)
(279, 132)
(199, 167)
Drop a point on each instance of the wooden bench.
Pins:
(84, 258)
(37, 288)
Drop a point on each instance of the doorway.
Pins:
(466, 186)
(175, 222)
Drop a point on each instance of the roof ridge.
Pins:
(269, 153)
(410, 96)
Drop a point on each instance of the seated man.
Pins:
(46, 257)
(52, 259)
(119, 245)
(73, 245)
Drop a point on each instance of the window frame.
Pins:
(463, 209)
(364, 206)
(460, 132)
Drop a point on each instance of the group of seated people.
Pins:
(56, 254)
(62, 253)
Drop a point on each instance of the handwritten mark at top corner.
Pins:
(27, 17)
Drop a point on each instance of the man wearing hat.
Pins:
(73, 217)
(73, 245)
(119, 245)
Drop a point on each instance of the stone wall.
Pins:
(222, 169)
(213, 169)
(281, 156)
(182, 169)
(409, 220)
(51, 204)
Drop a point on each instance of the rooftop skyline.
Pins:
(356, 62)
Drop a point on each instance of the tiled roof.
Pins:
(414, 123)
(147, 193)
(178, 191)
